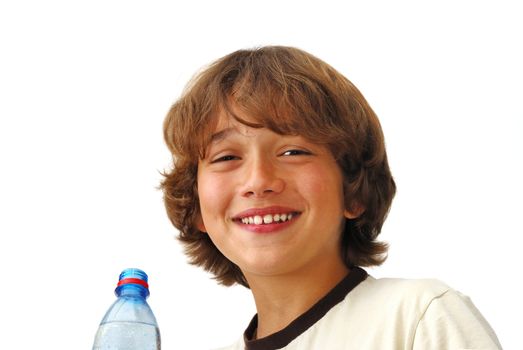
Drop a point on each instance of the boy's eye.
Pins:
(295, 152)
(224, 159)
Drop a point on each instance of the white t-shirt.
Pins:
(362, 312)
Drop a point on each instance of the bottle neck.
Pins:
(132, 290)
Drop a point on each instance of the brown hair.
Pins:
(288, 91)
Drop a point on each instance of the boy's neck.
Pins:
(281, 299)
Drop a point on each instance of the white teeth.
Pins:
(266, 219)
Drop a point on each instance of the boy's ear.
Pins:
(199, 224)
(353, 213)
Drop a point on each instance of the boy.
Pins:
(281, 184)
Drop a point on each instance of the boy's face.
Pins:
(272, 204)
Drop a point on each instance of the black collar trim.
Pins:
(297, 327)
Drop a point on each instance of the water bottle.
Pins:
(129, 324)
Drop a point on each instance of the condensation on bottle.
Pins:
(129, 324)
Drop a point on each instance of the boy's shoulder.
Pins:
(401, 287)
(393, 294)
(423, 313)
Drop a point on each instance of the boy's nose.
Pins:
(262, 180)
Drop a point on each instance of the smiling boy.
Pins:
(281, 184)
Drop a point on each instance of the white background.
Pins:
(84, 87)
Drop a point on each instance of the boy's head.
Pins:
(291, 93)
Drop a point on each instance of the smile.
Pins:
(267, 218)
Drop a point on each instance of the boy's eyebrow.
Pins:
(220, 135)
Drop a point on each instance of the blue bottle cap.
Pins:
(135, 277)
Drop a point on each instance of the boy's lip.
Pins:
(264, 211)
(267, 227)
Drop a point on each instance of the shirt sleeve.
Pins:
(451, 321)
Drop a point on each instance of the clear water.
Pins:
(127, 336)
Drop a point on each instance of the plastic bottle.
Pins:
(129, 324)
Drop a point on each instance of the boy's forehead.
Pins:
(234, 119)
(226, 126)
